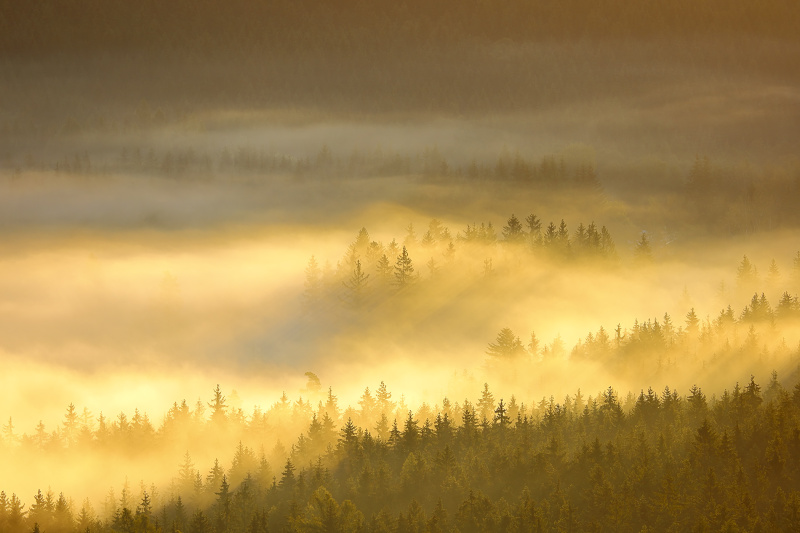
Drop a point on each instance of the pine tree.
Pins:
(313, 283)
(218, 407)
(506, 346)
(746, 274)
(8, 432)
(403, 269)
(642, 252)
(501, 415)
(534, 228)
(223, 505)
(357, 287)
(692, 323)
(411, 236)
(485, 408)
(513, 232)
(384, 269)
(607, 246)
(367, 403)
(287, 477)
(71, 425)
(384, 399)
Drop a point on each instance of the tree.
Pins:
(332, 404)
(143, 513)
(223, 505)
(773, 274)
(411, 236)
(692, 322)
(287, 477)
(433, 268)
(551, 234)
(199, 523)
(8, 432)
(642, 251)
(699, 180)
(796, 269)
(513, 232)
(218, 406)
(362, 239)
(384, 269)
(367, 403)
(348, 435)
(533, 345)
(450, 252)
(384, 399)
(534, 228)
(71, 424)
(746, 274)
(403, 269)
(313, 282)
(500, 415)
(186, 474)
(506, 346)
(485, 406)
(313, 385)
(607, 246)
(214, 477)
(410, 434)
(428, 240)
(611, 406)
(356, 285)
(563, 233)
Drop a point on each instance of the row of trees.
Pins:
(665, 461)
(656, 344)
(370, 266)
(369, 263)
(741, 200)
(549, 171)
(649, 347)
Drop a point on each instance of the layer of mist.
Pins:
(433, 202)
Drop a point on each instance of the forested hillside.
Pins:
(658, 460)
(453, 266)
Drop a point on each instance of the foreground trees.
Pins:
(661, 462)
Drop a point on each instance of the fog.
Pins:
(158, 218)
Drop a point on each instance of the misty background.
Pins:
(163, 186)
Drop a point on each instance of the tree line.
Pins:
(547, 172)
(666, 461)
(369, 267)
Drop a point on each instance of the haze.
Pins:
(161, 200)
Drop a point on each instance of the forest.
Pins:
(609, 459)
(487, 265)
(652, 461)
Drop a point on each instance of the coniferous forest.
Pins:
(486, 266)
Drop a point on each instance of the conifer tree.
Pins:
(384, 269)
(403, 269)
(512, 231)
(506, 346)
(313, 283)
(218, 407)
(642, 252)
(357, 287)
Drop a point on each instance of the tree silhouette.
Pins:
(513, 232)
(506, 346)
(218, 407)
(642, 252)
(357, 286)
(403, 269)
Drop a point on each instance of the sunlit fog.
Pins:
(491, 267)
